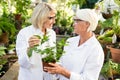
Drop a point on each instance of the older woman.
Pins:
(84, 55)
(42, 19)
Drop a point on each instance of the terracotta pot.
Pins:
(4, 38)
(106, 16)
(115, 53)
(17, 16)
(18, 21)
(45, 64)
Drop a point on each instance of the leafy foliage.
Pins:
(21, 6)
(110, 68)
(7, 24)
(44, 39)
(79, 2)
(2, 60)
(50, 55)
(2, 50)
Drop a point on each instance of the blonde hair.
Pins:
(40, 14)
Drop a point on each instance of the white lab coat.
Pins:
(83, 62)
(31, 68)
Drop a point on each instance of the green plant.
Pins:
(116, 45)
(2, 50)
(63, 21)
(117, 2)
(114, 29)
(21, 6)
(110, 68)
(11, 47)
(50, 55)
(7, 25)
(35, 48)
(106, 37)
(60, 44)
(2, 60)
(116, 25)
(76, 2)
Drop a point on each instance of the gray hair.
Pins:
(40, 14)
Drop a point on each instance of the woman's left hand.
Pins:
(57, 69)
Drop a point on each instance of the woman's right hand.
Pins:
(34, 40)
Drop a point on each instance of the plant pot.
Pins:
(115, 53)
(46, 64)
(4, 38)
(106, 16)
(17, 16)
(18, 21)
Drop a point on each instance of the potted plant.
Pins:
(111, 36)
(115, 52)
(2, 50)
(7, 28)
(115, 47)
(106, 37)
(21, 8)
(11, 48)
(107, 8)
(3, 61)
(63, 21)
(50, 55)
(111, 70)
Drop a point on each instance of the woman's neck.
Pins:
(44, 31)
(84, 37)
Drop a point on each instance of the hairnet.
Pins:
(88, 15)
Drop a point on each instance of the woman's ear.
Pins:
(88, 24)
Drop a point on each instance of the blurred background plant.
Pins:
(111, 29)
(111, 69)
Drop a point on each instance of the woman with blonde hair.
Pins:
(42, 20)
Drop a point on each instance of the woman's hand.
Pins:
(57, 69)
(34, 40)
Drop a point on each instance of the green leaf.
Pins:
(34, 48)
(45, 38)
(30, 52)
(38, 36)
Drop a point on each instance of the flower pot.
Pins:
(46, 64)
(18, 21)
(106, 16)
(4, 38)
(115, 53)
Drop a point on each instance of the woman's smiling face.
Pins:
(50, 20)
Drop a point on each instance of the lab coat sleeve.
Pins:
(92, 67)
(21, 49)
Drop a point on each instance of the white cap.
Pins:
(88, 15)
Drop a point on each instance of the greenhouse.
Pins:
(59, 39)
